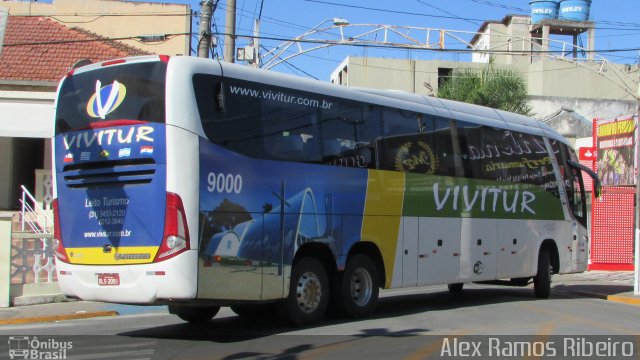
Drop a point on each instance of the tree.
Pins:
(497, 88)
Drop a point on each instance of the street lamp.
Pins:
(340, 22)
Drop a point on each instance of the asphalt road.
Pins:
(408, 324)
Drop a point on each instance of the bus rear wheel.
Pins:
(542, 281)
(194, 314)
(356, 290)
(308, 292)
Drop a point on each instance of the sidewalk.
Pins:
(611, 286)
(614, 286)
(69, 310)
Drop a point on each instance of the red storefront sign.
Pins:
(587, 154)
(612, 225)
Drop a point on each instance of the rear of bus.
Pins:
(121, 232)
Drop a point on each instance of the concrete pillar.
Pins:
(546, 30)
(5, 259)
(591, 43)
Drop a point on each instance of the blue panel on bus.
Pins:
(263, 210)
(111, 188)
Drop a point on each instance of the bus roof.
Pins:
(395, 98)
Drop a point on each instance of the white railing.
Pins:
(37, 221)
(35, 226)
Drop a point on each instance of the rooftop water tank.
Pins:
(575, 10)
(543, 9)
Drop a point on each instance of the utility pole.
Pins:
(256, 39)
(204, 43)
(636, 283)
(230, 31)
(256, 44)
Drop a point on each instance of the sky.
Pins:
(617, 22)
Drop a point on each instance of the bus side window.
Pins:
(571, 181)
(578, 200)
(345, 130)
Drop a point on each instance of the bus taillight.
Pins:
(58, 246)
(176, 232)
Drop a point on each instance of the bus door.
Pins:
(576, 199)
(578, 206)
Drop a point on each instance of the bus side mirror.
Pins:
(597, 184)
(597, 188)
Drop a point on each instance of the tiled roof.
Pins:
(40, 49)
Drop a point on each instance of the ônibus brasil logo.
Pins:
(106, 99)
(28, 348)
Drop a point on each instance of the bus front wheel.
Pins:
(356, 290)
(542, 281)
(194, 314)
(308, 292)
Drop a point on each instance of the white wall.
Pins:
(26, 114)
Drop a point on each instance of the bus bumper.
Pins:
(175, 278)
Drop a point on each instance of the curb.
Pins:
(630, 300)
(624, 299)
(53, 318)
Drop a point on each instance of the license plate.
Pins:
(108, 279)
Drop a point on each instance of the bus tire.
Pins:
(194, 314)
(308, 292)
(455, 288)
(356, 288)
(542, 280)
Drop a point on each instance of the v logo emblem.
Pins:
(105, 107)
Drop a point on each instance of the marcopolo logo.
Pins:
(28, 348)
(416, 157)
(106, 99)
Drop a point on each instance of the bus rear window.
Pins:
(132, 92)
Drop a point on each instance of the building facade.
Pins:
(42, 42)
(119, 20)
(571, 78)
(36, 54)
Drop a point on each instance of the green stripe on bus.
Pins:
(437, 196)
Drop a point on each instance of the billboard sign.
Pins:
(616, 152)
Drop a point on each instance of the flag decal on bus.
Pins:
(106, 99)
(148, 150)
(126, 152)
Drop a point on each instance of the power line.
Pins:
(490, 3)
(448, 13)
(137, 14)
(101, 39)
(438, 16)
(337, 42)
(391, 11)
(410, 47)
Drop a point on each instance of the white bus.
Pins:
(198, 184)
